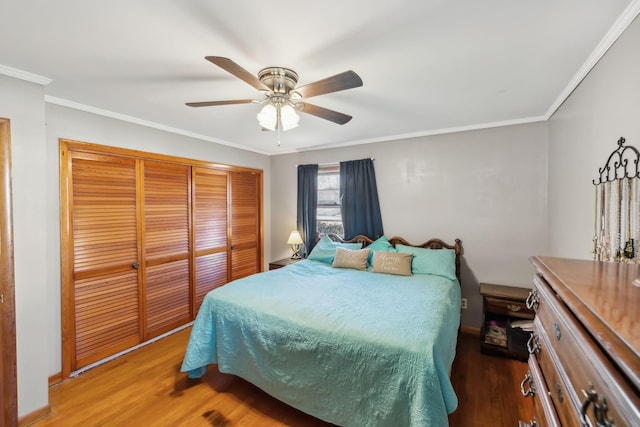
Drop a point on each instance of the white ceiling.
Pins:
(428, 66)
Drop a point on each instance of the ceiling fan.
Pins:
(282, 97)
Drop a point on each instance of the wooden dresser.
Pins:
(584, 363)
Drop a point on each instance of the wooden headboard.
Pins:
(429, 244)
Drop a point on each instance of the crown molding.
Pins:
(135, 120)
(433, 132)
(24, 75)
(616, 30)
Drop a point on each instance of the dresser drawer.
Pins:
(578, 374)
(544, 414)
(555, 379)
(508, 307)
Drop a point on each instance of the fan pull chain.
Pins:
(278, 122)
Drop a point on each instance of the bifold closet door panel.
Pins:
(210, 224)
(107, 318)
(104, 236)
(245, 224)
(166, 246)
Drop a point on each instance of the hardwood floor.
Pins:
(488, 388)
(146, 388)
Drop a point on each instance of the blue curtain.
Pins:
(359, 204)
(307, 205)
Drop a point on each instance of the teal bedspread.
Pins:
(350, 347)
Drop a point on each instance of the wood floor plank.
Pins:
(488, 388)
(146, 388)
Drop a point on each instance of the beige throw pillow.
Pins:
(392, 263)
(349, 258)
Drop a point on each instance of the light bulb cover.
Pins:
(268, 117)
(288, 117)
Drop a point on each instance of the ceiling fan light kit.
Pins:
(279, 113)
(282, 98)
(278, 117)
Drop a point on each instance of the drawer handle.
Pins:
(533, 344)
(531, 391)
(600, 409)
(559, 393)
(556, 331)
(532, 300)
(513, 308)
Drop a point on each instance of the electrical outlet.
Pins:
(463, 303)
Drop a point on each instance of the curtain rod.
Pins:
(337, 163)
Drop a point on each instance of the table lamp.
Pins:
(295, 241)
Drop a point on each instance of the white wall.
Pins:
(582, 134)
(486, 187)
(23, 104)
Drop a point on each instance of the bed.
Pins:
(349, 346)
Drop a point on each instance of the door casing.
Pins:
(8, 376)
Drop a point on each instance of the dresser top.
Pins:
(601, 295)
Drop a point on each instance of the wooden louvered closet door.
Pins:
(166, 242)
(143, 238)
(245, 224)
(104, 236)
(210, 230)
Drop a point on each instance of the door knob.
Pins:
(135, 265)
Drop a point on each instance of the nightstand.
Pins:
(503, 313)
(274, 265)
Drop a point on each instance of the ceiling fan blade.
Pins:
(212, 103)
(233, 68)
(323, 113)
(342, 81)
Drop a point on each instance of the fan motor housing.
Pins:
(280, 80)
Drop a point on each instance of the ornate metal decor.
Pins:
(617, 210)
(600, 409)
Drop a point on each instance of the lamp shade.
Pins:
(294, 238)
(268, 117)
(288, 117)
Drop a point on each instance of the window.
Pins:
(328, 218)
